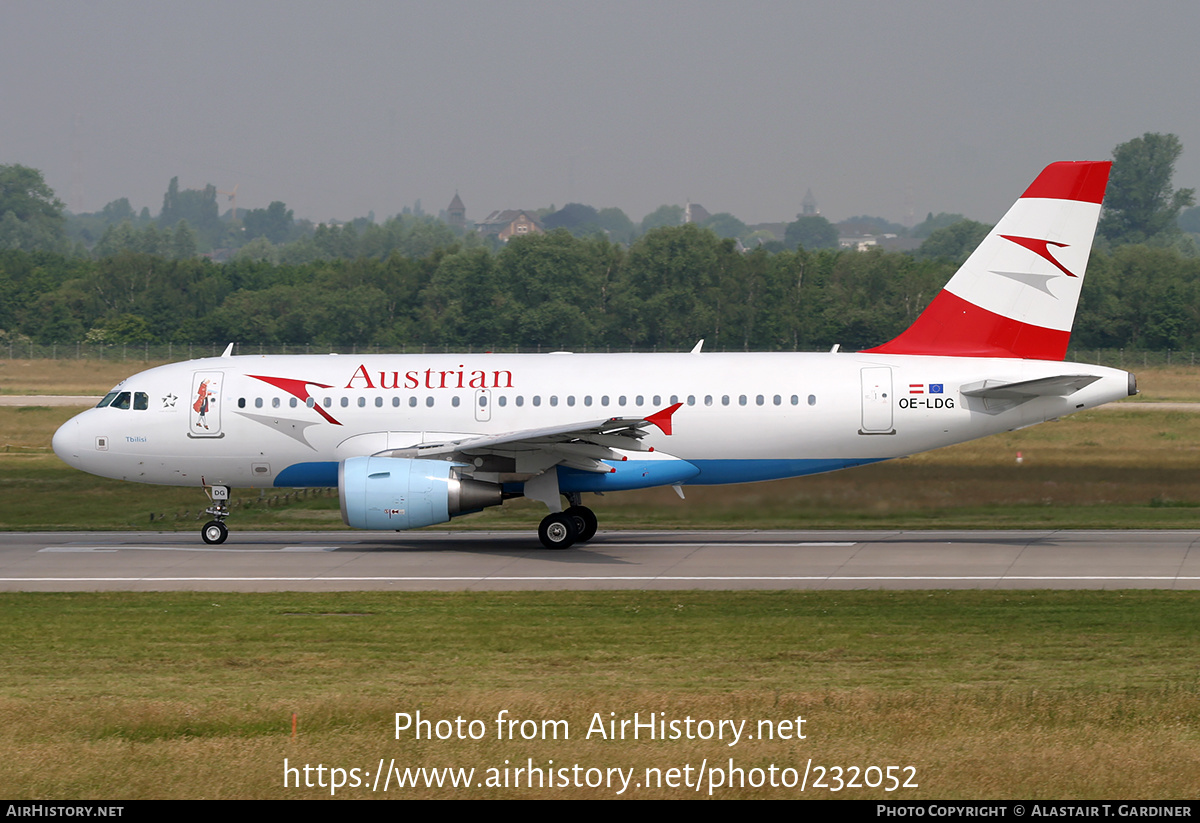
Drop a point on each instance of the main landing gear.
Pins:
(561, 530)
(215, 530)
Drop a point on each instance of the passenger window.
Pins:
(621, 400)
(812, 400)
(429, 401)
(708, 399)
(691, 399)
(379, 402)
(795, 400)
(412, 401)
(241, 402)
(520, 400)
(741, 400)
(274, 402)
(638, 400)
(345, 402)
(258, 402)
(454, 401)
(362, 402)
(503, 401)
(537, 400)
(310, 402)
(395, 402)
(570, 400)
(604, 400)
(587, 400)
(292, 402)
(328, 401)
(760, 400)
(554, 400)
(778, 400)
(141, 401)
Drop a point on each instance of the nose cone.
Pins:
(66, 442)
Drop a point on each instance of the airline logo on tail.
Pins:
(999, 303)
(1041, 248)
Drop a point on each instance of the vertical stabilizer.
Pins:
(1016, 294)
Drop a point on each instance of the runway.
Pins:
(498, 561)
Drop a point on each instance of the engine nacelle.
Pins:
(397, 493)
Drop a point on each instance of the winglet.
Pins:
(699, 345)
(662, 419)
(228, 351)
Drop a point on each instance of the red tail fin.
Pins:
(1016, 294)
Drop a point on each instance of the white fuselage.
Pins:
(290, 420)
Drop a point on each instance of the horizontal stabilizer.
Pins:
(1059, 386)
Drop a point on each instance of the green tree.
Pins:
(577, 218)
(811, 232)
(933, 222)
(117, 211)
(954, 242)
(1140, 204)
(725, 224)
(618, 225)
(31, 217)
(199, 208)
(274, 222)
(663, 216)
(1189, 220)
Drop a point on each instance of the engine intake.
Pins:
(398, 493)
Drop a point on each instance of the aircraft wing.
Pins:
(578, 445)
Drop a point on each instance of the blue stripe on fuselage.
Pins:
(308, 475)
(631, 474)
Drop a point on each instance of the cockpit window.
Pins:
(122, 401)
(141, 401)
(108, 398)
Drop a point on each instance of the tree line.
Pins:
(590, 283)
(671, 287)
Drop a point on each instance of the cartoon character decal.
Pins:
(205, 414)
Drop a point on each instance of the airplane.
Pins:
(415, 440)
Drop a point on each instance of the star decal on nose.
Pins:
(169, 401)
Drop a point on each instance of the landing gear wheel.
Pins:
(585, 522)
(214, 531)
(558, 531)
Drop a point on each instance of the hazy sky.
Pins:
(342, 108)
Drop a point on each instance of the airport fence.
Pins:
(172, 352)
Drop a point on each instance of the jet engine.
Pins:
(402, 493)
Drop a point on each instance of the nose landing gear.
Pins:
(215, 530)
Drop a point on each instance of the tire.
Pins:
(558, 531)
(214, 531)
(585, 522)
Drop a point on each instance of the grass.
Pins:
(986, 694)
(71, 377)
